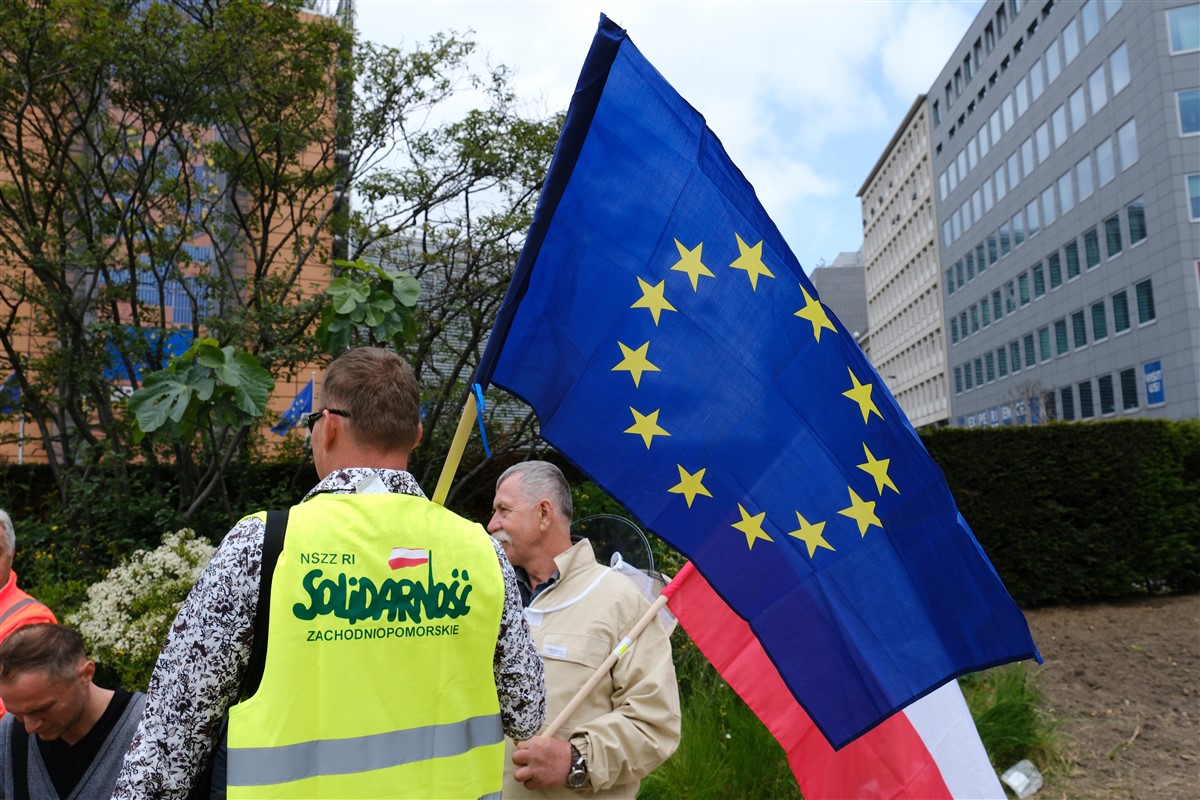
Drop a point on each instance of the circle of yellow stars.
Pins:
(636, 361)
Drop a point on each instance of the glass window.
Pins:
(954, 330)
(1027, 157)
(998, 179)
(1129, 389)
(1023, 288)
(1030, 356)
(1002, 361)
(989, 364)
(1097, 89)
(1112, 235)
(1118, 67)
(958, 271)
(962, 325)
(1071, 253)
(1049, 214)
(1007, 112)
(1053, 64)
(1039, 280)
(997, 308)
(1066, 193)
(1193, 190)
(967, 374)
(1044, 343)
(1145, 302)
(974, 319)
(1005, 240)
(1099, 321)
(1033, 221)
(1079, 329)
(1014, 170)
(981, 136)
(1051, 405)
(988, 198)
(1089, 15)
(1014, 355)
(985, 312)
(1086, 409)
(977, 204)
(1091, 247)
(1061, 344)
(1018, 227)
(1036, 83)
(1127, 144)
(1135, 212)
(1120, 304)
(1083, 177)
(950, 281)
(979, 257)
(1010, 297)
(1111, 7)
(1070, 37)
(993, 255)
(994, 126)
(958, 380)
(1041, 138)
(1068, 403)
(962, 164)
(1054, 267)
(1188, 102)
(979, 372)
(943, 186)
(1184, 24)
(1078, 107)
(1108, 398)
(1105, 169)
(1022, 96)
(1058, 124)
(970, 266)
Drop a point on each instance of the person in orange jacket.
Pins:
(17, 608)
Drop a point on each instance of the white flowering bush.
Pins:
(127, 615)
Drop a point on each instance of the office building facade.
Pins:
(1066, 156)
(906, 340)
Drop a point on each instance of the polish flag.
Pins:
(404, 557)
(929, 750)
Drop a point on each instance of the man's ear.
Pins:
(545, 512)
(420, 433)
(87, 670)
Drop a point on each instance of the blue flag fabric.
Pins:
(674, 350)
(300, 406)
(10, 395)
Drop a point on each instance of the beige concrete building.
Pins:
(906, 340)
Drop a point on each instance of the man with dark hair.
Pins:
(397, 654)
(579, 612)
(63, 735)
(16, 607)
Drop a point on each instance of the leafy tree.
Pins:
(183, 165)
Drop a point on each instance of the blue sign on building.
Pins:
(1155, 392)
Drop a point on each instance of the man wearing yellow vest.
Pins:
(16, 607)
(397, 656)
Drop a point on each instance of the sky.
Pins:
(804, 94)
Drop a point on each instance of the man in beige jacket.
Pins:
(578, 611)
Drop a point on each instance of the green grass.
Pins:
(1007, 707)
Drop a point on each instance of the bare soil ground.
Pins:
(1124, 682)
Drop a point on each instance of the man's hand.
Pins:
(542, 763)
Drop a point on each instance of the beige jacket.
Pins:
(630, 723)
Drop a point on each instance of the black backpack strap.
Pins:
(272, 547)
(20, 761)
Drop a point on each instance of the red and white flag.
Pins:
(929, 750)
(404, 557)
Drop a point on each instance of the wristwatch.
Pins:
(577, 776)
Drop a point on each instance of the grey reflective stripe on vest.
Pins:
(263, 766)
(17, 606)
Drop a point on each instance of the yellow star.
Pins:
(752, 526)
(862, 512)
(646, 426)
(689, 485)
(810, 534)
(861, 394)
(814, 312)
(878, 469)
(689, 262)
(751, 261)
(652, 298)
(635, 362)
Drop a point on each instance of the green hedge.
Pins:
(1080, 512)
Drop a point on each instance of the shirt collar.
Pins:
(353, 480)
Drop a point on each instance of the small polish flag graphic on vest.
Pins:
(403, 557)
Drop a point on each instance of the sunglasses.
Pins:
(312, 418)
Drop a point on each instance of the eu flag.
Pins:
(300, 406)
(674, 350)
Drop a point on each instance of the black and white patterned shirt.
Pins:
(199, 671)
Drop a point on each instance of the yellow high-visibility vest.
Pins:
(378, 681)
